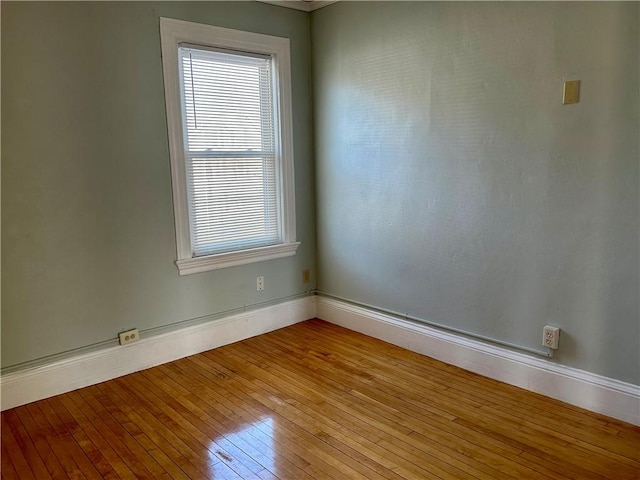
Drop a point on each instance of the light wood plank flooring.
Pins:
(312, 401)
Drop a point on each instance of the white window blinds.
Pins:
(229, 145)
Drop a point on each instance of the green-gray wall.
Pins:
(88, 243)
(453, 185)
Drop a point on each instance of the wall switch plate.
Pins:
(550, 337)
(571, 92)
(260, 284)
(129, 336)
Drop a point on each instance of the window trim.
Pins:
(174, 32)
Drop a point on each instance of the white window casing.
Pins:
(228, 101)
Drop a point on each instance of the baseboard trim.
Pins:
(25, 386)
(577, 387)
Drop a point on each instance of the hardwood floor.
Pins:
(312, 401)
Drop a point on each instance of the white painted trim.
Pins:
(224, 260)
(169, 40)
(172, 34)
(587, 390)
(62, 376)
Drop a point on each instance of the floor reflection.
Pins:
(246, 451)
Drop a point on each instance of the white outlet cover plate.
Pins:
(129, 336)
(550, 337)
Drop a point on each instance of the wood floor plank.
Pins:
(628, 448)
(588, 449)
(460, 386)
(154, 439)
(58, 446)
(484, 387)
(323, 465)
(12, 423)
(37, 434)
(191, 443)
(15, 453)
(482, 467)
(191, 428)
(312, 401)
(242, 435)
(253, 413)
(93, 433)
(7, 470)
(185, 462)
(299, 413)
(404, 440)
(65, 433)
(276, 403)
(126, 446)
(435, 462)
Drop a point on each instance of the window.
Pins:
(228, 105)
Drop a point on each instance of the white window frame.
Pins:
(172, 34)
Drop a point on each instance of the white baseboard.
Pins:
(62, 376)
(587, 390)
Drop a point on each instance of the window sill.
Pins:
(232, 259)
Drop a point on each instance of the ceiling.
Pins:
(305, 5)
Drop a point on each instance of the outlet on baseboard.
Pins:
(259, 284)
(129, 336)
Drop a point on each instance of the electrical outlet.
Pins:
(305, 276)
(550, 337)
(260, 284)
(129, 336)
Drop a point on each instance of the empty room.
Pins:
(320, 240)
